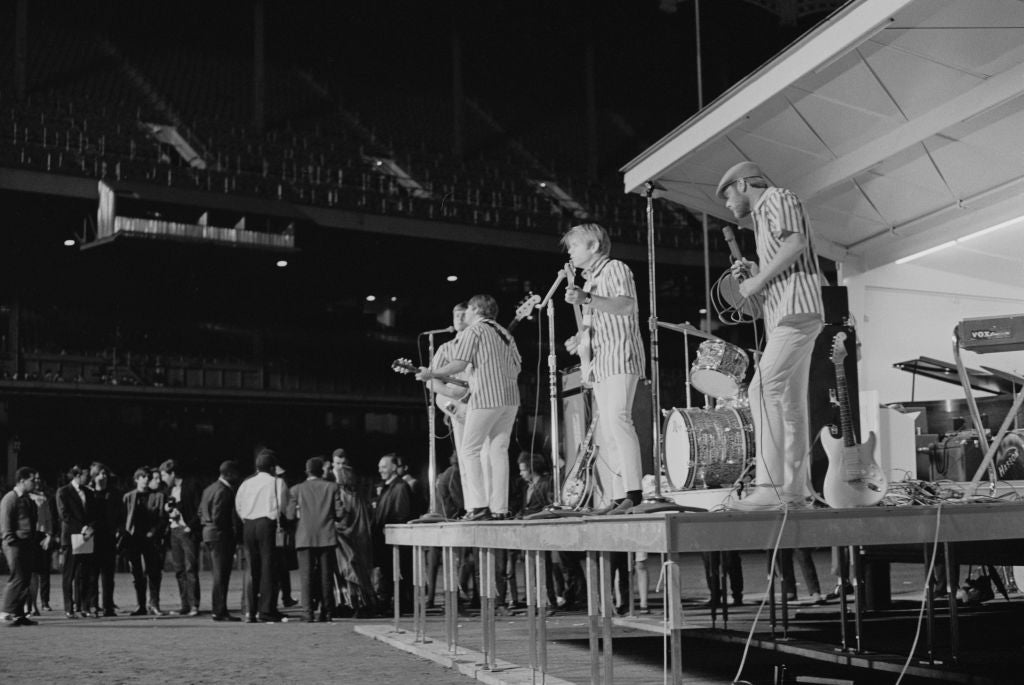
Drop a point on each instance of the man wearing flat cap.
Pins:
(788, 282)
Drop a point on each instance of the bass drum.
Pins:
(708, 448)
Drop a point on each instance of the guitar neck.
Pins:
(845, 415)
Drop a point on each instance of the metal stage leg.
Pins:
(531, 604)
(844, 642)
(417, 599)
(930, 605)
(446, 589)
(857, 569)
(607, 610)
(674, 607)
(723, 589)
(593, 606)
(486, 557)
(453, 598)
(541, 573)
(772, 618)
(396, 578)
(954, 620)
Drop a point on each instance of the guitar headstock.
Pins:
(838, 348)
(403, 365)
(527, 306)
(570, 273)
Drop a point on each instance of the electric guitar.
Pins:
(578, 488)
(453, 403)
(583, 346)
(853, 478)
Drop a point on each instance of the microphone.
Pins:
(551, 292)
(730, 240)
(449, 329)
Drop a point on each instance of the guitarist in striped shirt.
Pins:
(611, 321)
(493, 403)
(788, 281)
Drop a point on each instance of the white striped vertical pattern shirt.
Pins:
(797, 290)
(495, 358)
(616, 345)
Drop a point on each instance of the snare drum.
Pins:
(708, 448)
(719, 368)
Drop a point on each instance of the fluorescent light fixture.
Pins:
(964, 239)
(922, 253)
(990, 229)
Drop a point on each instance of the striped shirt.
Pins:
(493, 353)
(616, 346)
(796, 290)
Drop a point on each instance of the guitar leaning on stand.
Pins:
(854, 478)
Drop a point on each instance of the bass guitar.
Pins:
(853, 478)
(583, 346)
(578, 488)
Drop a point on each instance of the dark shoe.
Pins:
(34, 612)
(70, 614)
(225, 617)
(23, 621)
(141, 611)
(154, 610)
(622, 610)
(288, 602)
(481, 514)
(324, 618)
(737, 600)
(268, 618)
(109, 613)
(844, 589)
(250, 619)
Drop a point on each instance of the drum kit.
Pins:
(713, 447)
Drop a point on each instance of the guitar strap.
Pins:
(497, 329)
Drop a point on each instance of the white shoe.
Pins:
(761, 498)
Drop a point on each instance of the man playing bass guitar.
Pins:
(610, 317)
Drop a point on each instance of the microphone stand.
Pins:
(432, 516)
(657, 501)
(557, 507)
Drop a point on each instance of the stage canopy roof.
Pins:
(900, 123)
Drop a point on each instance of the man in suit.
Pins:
(108, 510)
(394, 505)
(18, 521)
(221, 533)
(183, 512)
(144, 524)
(77, 511)
(314, 504)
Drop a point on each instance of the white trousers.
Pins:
(618, 444)
(778, 403)
(483, 457)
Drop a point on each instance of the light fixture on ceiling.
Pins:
(963, 239)
(281, 263)
(371, 298)
(70, 242)
(452, 278)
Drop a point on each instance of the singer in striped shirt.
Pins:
(493, 403)
(609, 302)
(789, 282)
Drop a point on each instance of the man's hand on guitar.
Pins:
(572, 344)
(424, 374)
(750, 286)
(575, 295)
(743, 269)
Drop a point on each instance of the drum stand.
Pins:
(657, 501)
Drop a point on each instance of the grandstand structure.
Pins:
(167, 315)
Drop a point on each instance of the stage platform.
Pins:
(677, 533)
